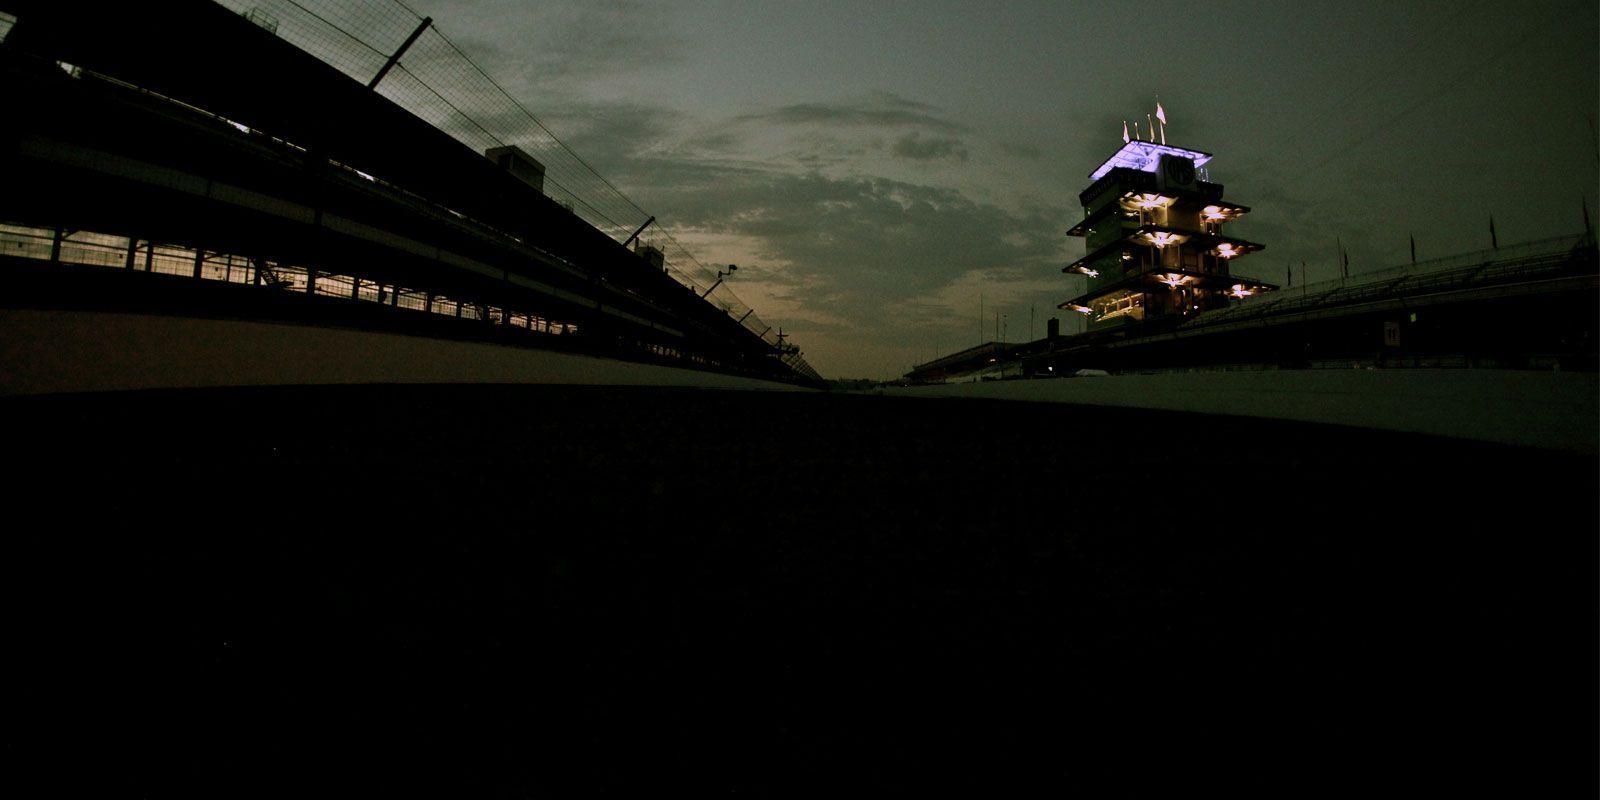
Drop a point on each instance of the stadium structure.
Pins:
(1161, 295)
(306, 190)
(436, 579)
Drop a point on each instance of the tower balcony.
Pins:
(1160, 246)
(1234, 286)
(1173, 295)
(1161, 206)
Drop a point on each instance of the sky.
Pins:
(878, 170)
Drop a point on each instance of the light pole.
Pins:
(721, 275)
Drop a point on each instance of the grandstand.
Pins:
(341, 154)
(1531, 305)
(1419, 284)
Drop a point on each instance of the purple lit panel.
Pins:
(1145, 156)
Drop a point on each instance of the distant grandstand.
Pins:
(340, 165)
(1532, 305)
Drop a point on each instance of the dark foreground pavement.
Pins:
(520, 591)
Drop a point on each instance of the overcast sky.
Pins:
(874, 167)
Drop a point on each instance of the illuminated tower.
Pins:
(1155, 251)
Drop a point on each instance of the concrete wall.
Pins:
(1558, 410)
(43, 351)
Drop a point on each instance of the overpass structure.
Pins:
(184, 159)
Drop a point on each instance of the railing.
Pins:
(1528, 260)
(87, 248)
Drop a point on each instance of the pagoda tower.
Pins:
(1154, 247)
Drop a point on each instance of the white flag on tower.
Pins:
(1125, 132)
(1160, 113)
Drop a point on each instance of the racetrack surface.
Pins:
(520, 590)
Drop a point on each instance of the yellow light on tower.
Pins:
(1164, 238)
(1147, 201)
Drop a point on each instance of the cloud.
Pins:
(863, 270)
(880, 110)
(1021, 150)
(524, 46)
(892, 237)
(610, 133)
(916, 147)
(608, 137)
(716, 141)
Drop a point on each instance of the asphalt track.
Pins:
(534, 590)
